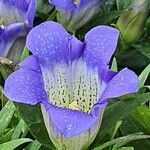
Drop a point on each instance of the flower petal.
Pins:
(125, 82)
(31, 12)
(84, 12)
(25, 86)
(100, 43)
(64, 4)
(21, 4)
(70, 129)
(50, 43)
(31, 63)
(70, 122)
(8, 36)
(13, 11)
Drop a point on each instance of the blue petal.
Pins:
(21, 4)
(70, 122)
(125, 82)
(31, 63)
(25, 86)
(13, 11)
(50, 43)
(64, 4)
(31, 12)
(73, 130)
(101, 43)
(8, 35)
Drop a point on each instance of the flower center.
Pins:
(76, 86)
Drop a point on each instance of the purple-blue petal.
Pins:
(31, 12)
(51, 43)
(107, 75)
(125, 82)
(19, 4)
(13, 11)
(25, 86)
(31, 63)
(76, 48)
(8, 35)
(101, 43)
(70, 122)
(63, 4)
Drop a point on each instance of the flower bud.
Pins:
(75, 14)
(132, 21)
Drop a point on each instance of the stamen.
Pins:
(74, 106)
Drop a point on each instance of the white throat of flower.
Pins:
(74, 86)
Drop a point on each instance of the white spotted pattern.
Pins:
(72, 84)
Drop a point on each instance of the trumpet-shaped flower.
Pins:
(16, 19)
(71, 80)
(76, 13)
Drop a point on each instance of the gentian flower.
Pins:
(71, 80)
(16, 19)
(76, 13)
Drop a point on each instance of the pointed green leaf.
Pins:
(119, 142)
(144, 75)
(6, 115)
(122, 107)
(34, 120)
(35, 145)
(125, 148)
(11, 145)
(25, 54)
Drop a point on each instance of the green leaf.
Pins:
(6, 66)
(122, 141)
(144, 49)
(114, 66)
(122, 107)
(142, 116)
(99, 19)
(132, 124)
(35, 145)
(126, 148)
(132, 58)
(7, 136)
(2, 97)
(43, 7)
(33, 118)
(25, 53)
(18, 130)
(144, 75)
(11, 145)
(118, 124)
(6, 115)
(128, 139)
(123, 4)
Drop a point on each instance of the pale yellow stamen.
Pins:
(74, 106)
(76, 2)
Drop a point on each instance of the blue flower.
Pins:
(76, 13)
(71, 80)
(16, 19)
